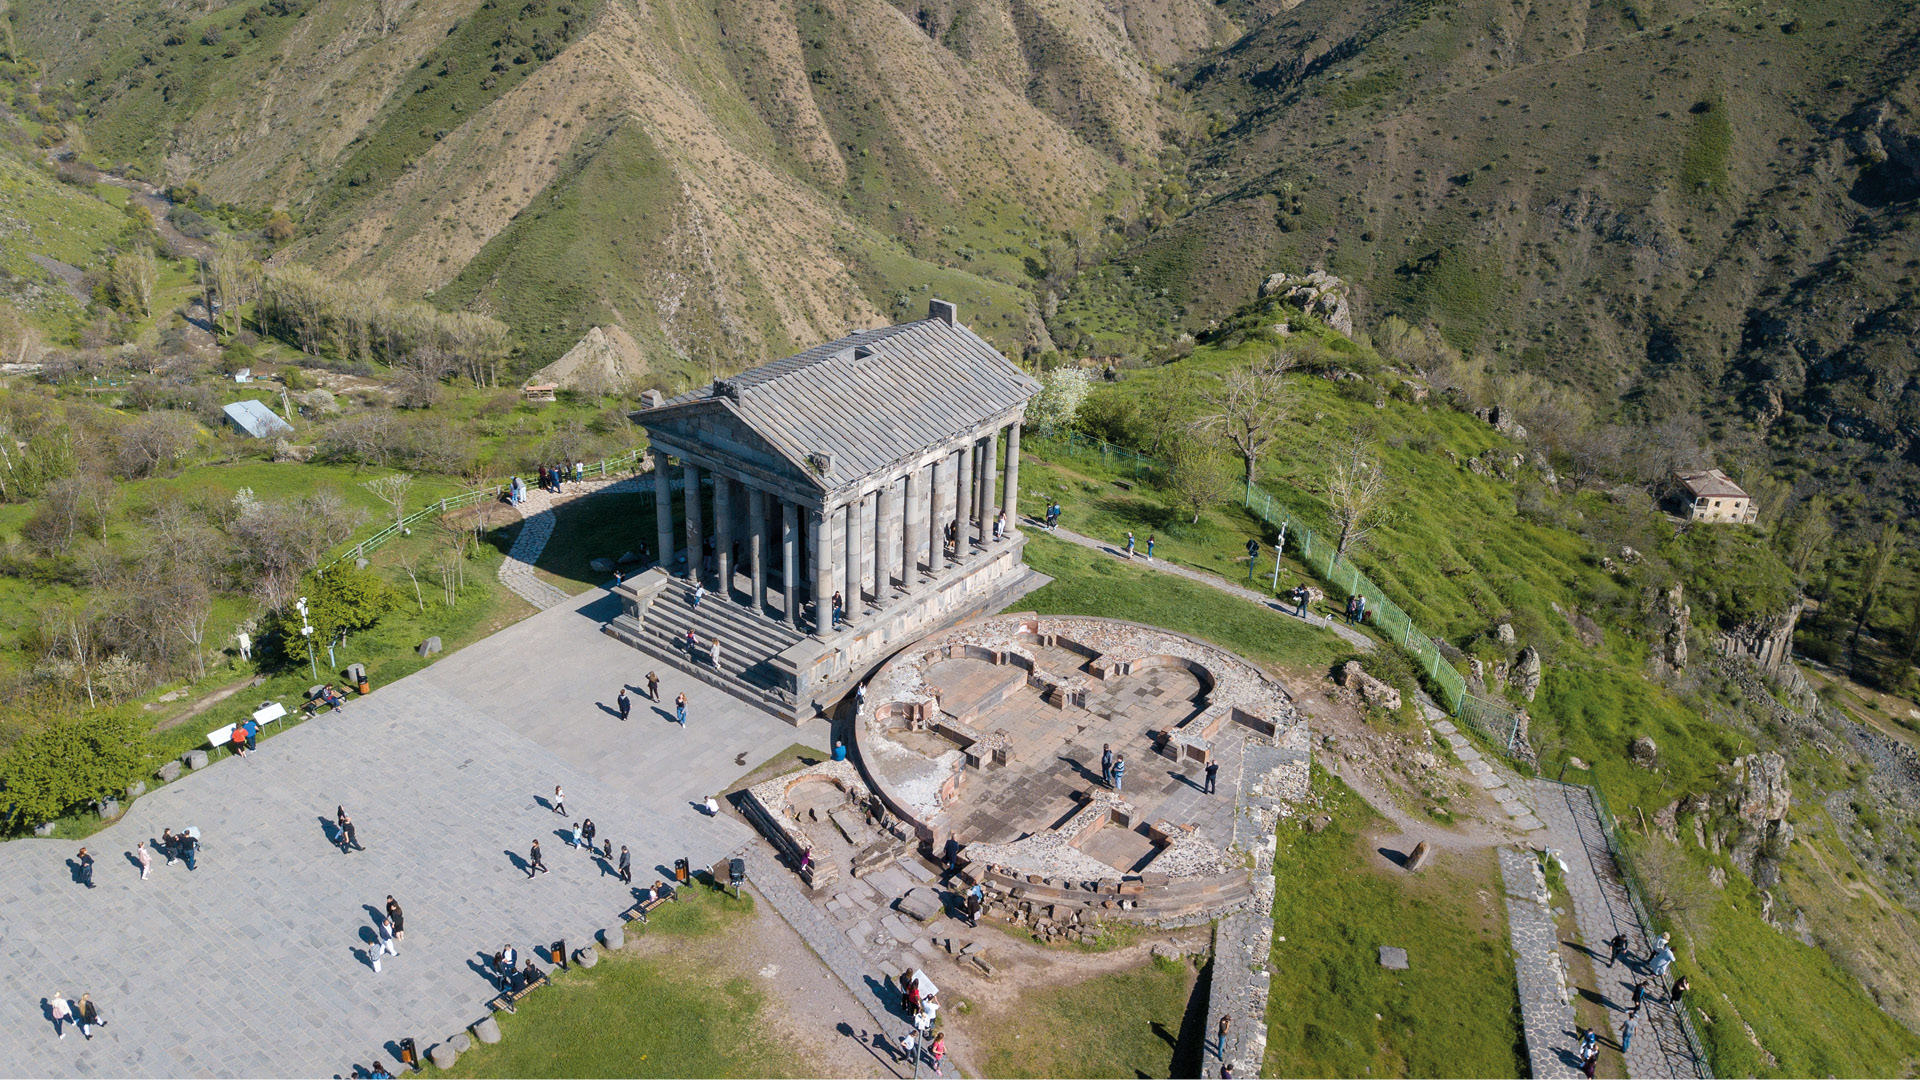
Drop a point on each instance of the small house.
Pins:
(256, 419)
(1712, 496)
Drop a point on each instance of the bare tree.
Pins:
(71, 507)
(132, 277)
(392, 490)
(153, 443)
(410, 562)
(1195, 474)
(1249, 405)
(69, 629)
(1357, 494)
(236, 280)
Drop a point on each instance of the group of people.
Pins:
(245, 737)
(1113, 767)
(582, 835)
(391, 931)
(510, 975)
(920, 1000)
(553, 478)
(1130, 545)
(1659, 960)
(1356, 608)
(83, 1013)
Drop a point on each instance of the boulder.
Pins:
(586, 956)
(1392, 958)
(628, 558)
(1759, 795)
(613, 937)
(108, 808)
(443, 1055)
(359, 564)
(1374, 692)
(43, 830)
(1422, 852)
(602, 565)
(487, 1031)
(169, 772)
(462, 1042)
(1317, 293)
(429, 646)
(1504, 634)
(922, 904)
(1643, 751)
(136, 789)
(196, 759)
(1526, 671)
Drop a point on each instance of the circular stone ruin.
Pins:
(990, 735)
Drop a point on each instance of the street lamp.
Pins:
(1279, 545)
(306, 631)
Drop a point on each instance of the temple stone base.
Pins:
(764, 661)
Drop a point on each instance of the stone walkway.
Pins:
(1540, 971)
(256, 964)
(1601, 909)
(516, 572)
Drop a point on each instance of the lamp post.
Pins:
(1279, 545)
(306, 631)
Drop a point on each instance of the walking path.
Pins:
(516, 572)
(1601, 909)
(1546, 1011)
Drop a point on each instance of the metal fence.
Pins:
(1496, 723)
(597, 470)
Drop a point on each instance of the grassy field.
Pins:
(1130, 1023)
(605, 526)
(1334, 1011)
(644, 1014)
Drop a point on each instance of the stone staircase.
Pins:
(749, 640)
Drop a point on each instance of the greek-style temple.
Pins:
(880, 471)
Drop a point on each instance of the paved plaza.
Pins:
(257, 963)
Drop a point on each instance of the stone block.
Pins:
(921, 903)
(43, 830)
(429, 646)
(1422, 851)
(136, 789)
(169, 772)
(443, 1055)
(108, 808)
(196, 759)
(586, 956)
(487, 1031)
(628, 558)
(462, 1043)
(613, 937)
(360, 564)
(601, 565)
(1393, 959)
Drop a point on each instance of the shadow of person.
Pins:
(330, 830)
(1397, 858)
(132, 859)
(365, 956)
(74, 870)
(888, 996)
(377, 914)
(1082, 771)
(608, 709)
(543, 802)
(369, 935)
(483, 967)
(515, 858)
(666, 715)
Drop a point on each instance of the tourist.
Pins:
(1661, 960)
(973, 906)
(1129, 543)
(999, 524)
(586, 833)
(146, 859)
(559, 801)
(606, 850)
(626, 865)
(86, 868)
(910, 996)
(573, 837)
(348, 836)
(1626, 1030)
(1220, 1050)
(388, 943)
(1617, 948)
(579, 470)
(713, 652)
(504, 963)
(237, 742)
(399, 919)
(806, 860)
(939, 1049)
(62, 1013)
(1589, 1058)
(189, 849)
(699, 594)
(837, 610)
(680, 707)
(839, 751)
(626, 705)
(910, 1049)
(1348, 614)
(1300, 596)
(1661, 941)
(693, 643)
(1106, 764)
(1149, 547)
(1639, 992)
(1119, 771)
(1589, 1040)
(379, 1072)
(1360, 609)
(167, 843)
(89, 1016)
(859, 697)
(713, 806)
(653, 687)
(1680, 989)
(1213, 771)
(1226, 1070)
(535, 864)
(253, 733)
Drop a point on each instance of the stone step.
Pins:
(1444, 727)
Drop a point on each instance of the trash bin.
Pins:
(680, 871)
(736, 873)
(410, 1054)
(558, 953)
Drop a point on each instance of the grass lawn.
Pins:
(639, 1013)
(1089, 583)
(598, 526)
(1334, 1011)
(1130, 1023)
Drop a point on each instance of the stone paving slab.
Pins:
(444, 772)
(1545, 1015)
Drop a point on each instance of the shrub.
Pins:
(69, 763)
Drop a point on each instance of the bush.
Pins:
(69, 763)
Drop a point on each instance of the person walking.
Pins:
(1626, 1030)
(939, 1050)
(1149, 547)
(1300, 597)
(1129, 543)
(910, 1049)
(1661, 960)
(559, 801)
(1213, 772)
(168, 842)
(349, 836)
(1106, 763)
(587, 831)
(89, 1016)
(62, 1012)
(386, 944)
(1617, 948)
(146, 859)
(1220, 1048)
(653, 688)
(86, 868)
(535, 864)
(1348, 614)
(626, 865)
(680, 709)
(1589, 1059)
(699, 594)
(1119, 771)
(398, 917)
(573, 836)
(606, 851)
(626, 706)
(713, 806)
(693, 643)
(1639, 992)
(189, 849)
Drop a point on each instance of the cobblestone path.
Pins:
(1602, 909)
(516, 572)
(1545, 1012)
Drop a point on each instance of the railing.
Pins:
(598, 469)
(1497, 724)
(1630, 877)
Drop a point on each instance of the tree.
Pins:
(1811, 534)
(345, 599)
(1194, 473)
(392, 490)
(72, 507)
(1249, 405)
(1357, 494)
(69, 763)
(1057, 405)
(153, 444)
(132, 276)
(1873, 575)
(236, 281)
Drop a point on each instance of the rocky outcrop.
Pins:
(1671, 621)
(1758, 796)
(1644, 752)
(1768, 640)
(1374, 692)
(1316, 293)
(1527, 671)
(1502, 420)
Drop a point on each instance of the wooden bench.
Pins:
(506, 998)
(640, 908)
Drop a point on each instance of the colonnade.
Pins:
(874, 543)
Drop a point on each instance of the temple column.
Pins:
(789, 562)
(937, 527)
(696, 539)
(869, 554)
(820, 554)
(963, 506)
(850, 550)
(913, 526)
(662, 511)
(1010, 472)
(756, 545)
(986, 500)
(882, 534)
(723, 534)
